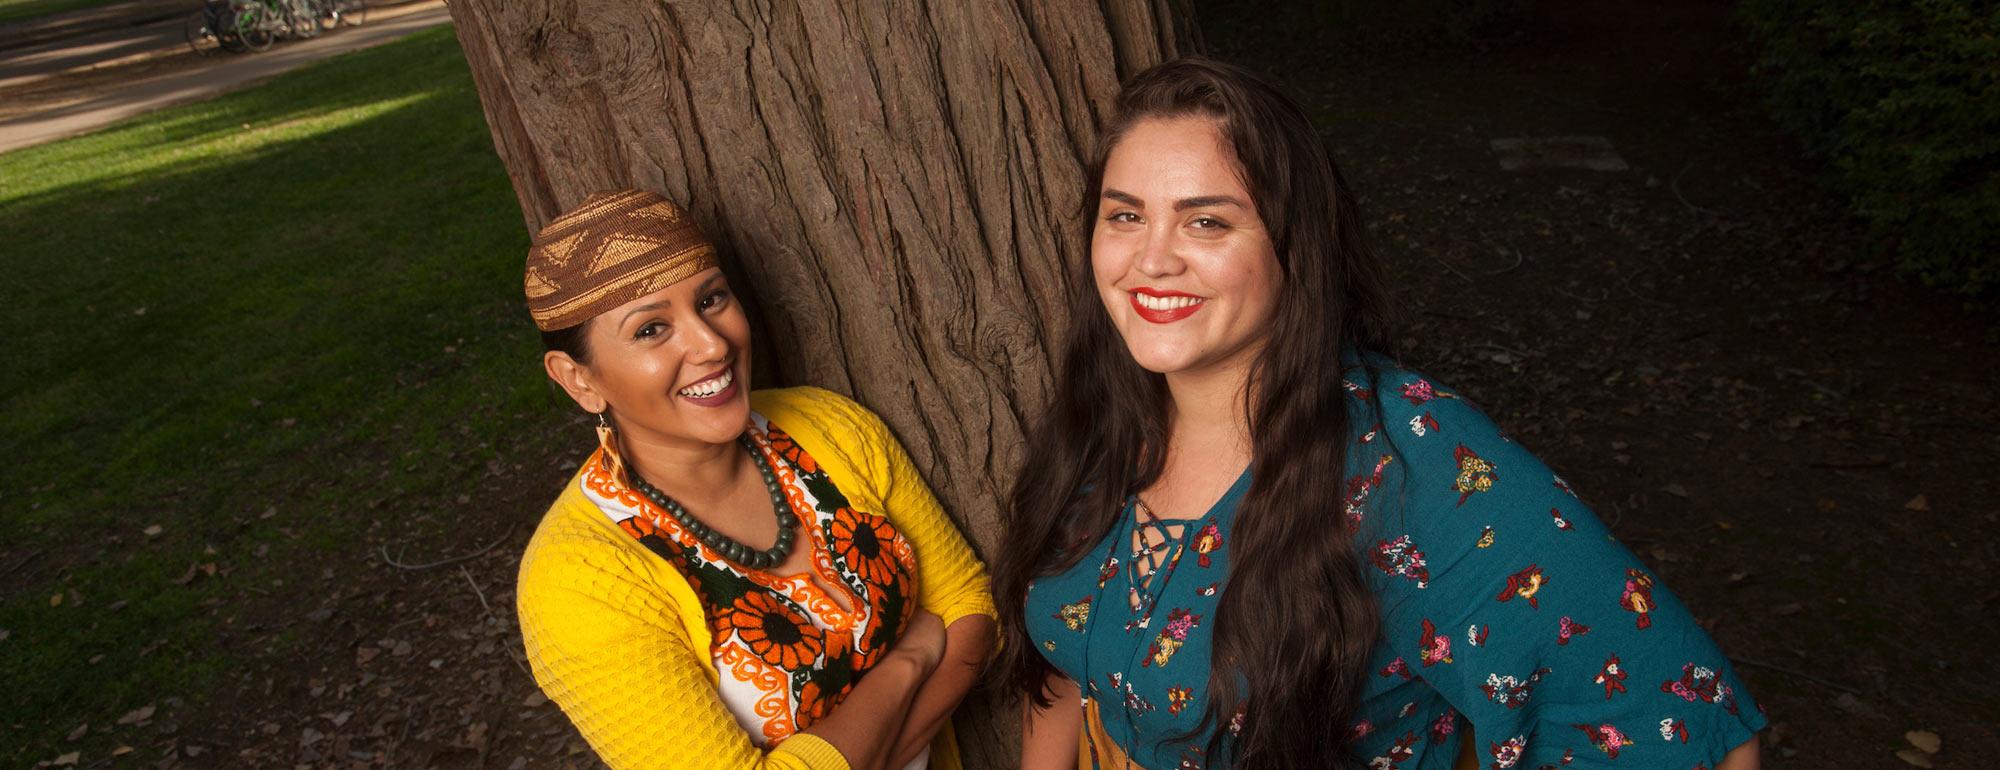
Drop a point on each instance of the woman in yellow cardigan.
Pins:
(733, 580)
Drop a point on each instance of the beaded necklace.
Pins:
(721, 543)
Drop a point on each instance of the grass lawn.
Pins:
(234, 328)
(16, 10)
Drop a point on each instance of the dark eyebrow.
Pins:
(646, 308)
(1207, 200)
(1123, 197)
(665, 303)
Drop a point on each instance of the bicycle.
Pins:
(213, 27)
(341, 13)
(302, 18)
(259, 23)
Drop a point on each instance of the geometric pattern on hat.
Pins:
(613, 248)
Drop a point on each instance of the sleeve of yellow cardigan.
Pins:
(954, 580)
(608, 651)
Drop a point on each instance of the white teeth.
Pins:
(1166, 303)
(710, 386)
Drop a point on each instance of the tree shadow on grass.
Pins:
(272, 326)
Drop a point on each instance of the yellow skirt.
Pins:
(1096, 750)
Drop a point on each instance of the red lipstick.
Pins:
(1178, 306)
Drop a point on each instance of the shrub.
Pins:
(1901, 100)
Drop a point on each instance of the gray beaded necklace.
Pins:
(721, 543)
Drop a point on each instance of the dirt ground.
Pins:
(1721, 363)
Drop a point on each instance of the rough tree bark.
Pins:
(897, 179)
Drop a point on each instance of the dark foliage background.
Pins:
(1901, 101)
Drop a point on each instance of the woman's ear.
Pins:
(575, 380)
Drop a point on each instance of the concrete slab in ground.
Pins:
(1586, 152)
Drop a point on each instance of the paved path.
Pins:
(85, 21)
(28, 64)
(215, 75)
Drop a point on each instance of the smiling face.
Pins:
(673, 366)
(1180, 256)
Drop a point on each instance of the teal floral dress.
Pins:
(1506, 606)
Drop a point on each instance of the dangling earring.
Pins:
(608, 443)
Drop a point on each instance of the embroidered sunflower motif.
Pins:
(788, 448)
(777, 634)
(861, 542)
(824, 689)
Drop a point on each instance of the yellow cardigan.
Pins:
(617, 638)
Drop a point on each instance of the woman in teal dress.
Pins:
(1246, 537)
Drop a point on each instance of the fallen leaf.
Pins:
(154, 530)
(1676, 490)
(1914, 757)
(1852, 705)
(137, 715)
(402, 648)
(1918, 504)
(364, 654)
(475, 736)
(122, 750)
(84, 728)
(1787, 609)
(55, 600)
(534, 700)
(70, 759)
(1924, 740)
(4, 633)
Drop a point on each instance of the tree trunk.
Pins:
(897, 180)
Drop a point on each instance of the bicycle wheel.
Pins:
(200, 40)
(255, 26)
(350, 12)
(227, 35)
(301, 21)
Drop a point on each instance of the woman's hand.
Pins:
(923, 640)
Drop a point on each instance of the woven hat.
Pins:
(613, 248)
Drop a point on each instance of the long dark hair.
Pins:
(1105, 436)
